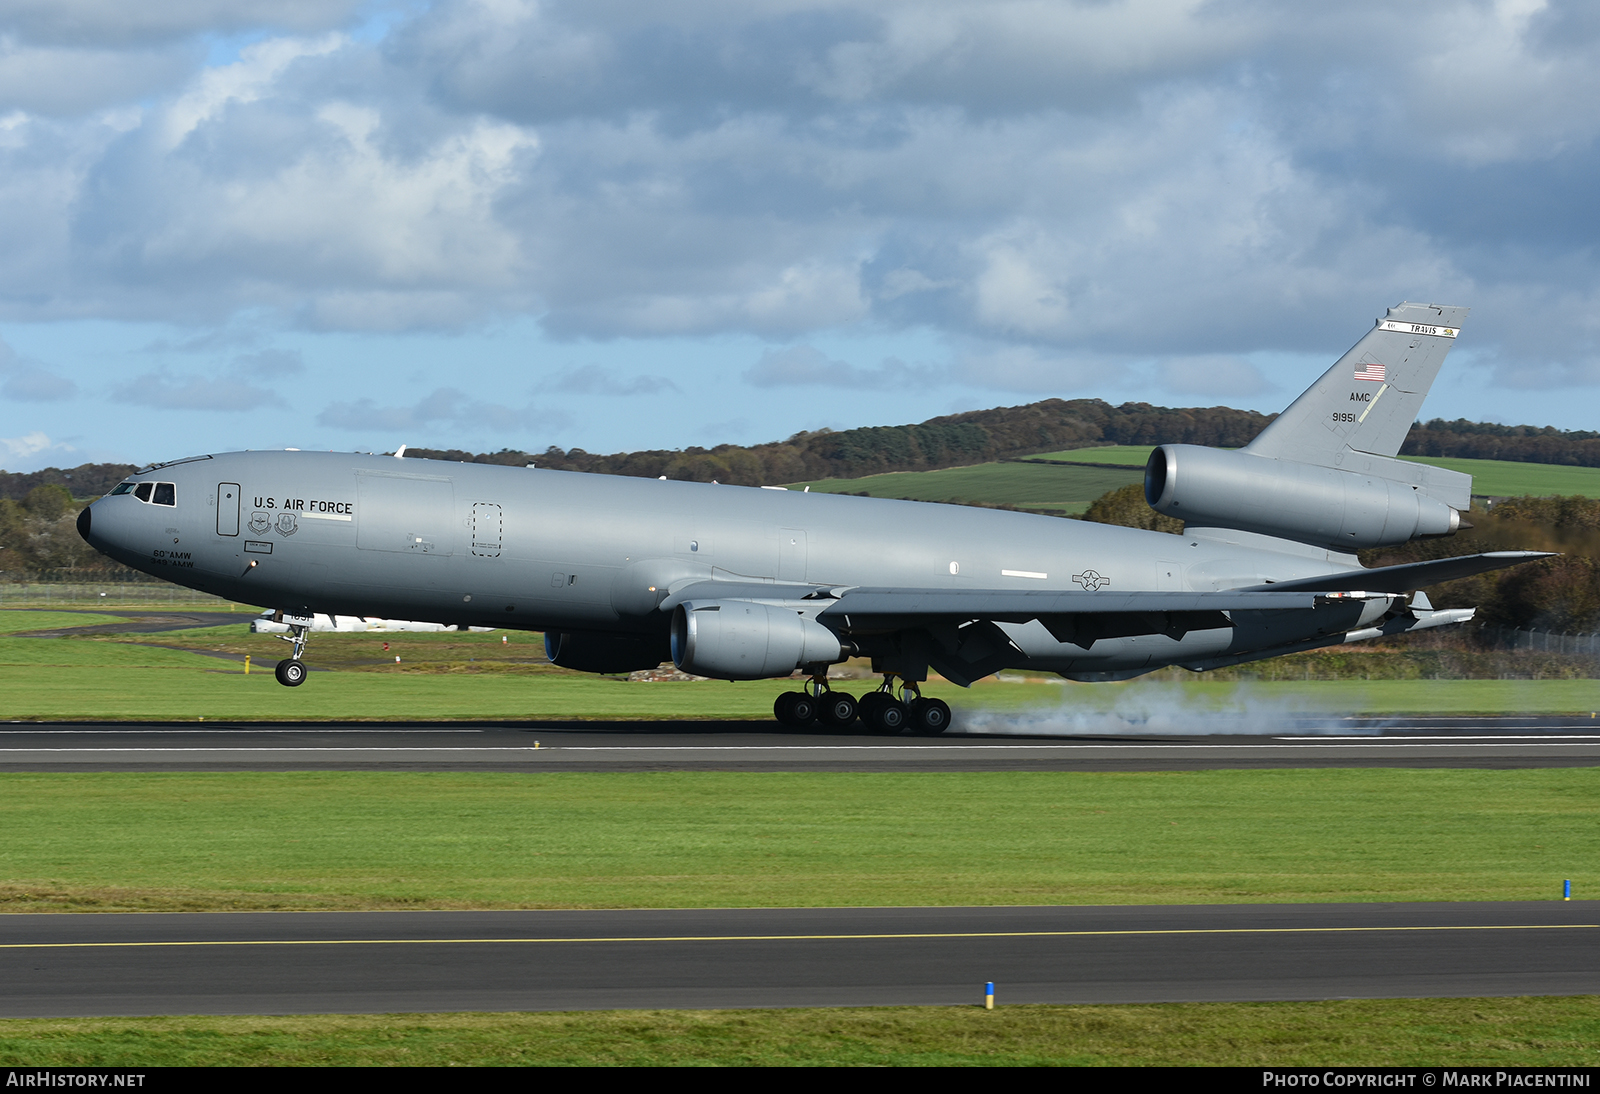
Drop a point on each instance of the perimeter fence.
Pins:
(1511, 638)
(85, 589)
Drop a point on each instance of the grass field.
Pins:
(128, 682)
(1064, 490)
(12, 621)
(1493, 478)
(1394, 1032)
(1502, 478)
(184, 841)
(464, 676)
(1126, 455)
(348, 840)
(114, 596)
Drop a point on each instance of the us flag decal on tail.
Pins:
(1369, 370)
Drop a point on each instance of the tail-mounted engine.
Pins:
(1326, 506)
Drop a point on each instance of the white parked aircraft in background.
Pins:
(266, 623)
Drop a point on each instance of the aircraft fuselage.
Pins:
(492, 546)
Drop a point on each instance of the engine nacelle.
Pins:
(747, 640)
(1325, 506)
(594, 651)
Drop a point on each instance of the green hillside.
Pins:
(1491, 478)
(1066, 482)
(1502, 478)
(1124, 455)
(1059, 488)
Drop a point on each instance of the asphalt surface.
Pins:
(138, 622)
(290, 963)
(381, 962)
(746, 746)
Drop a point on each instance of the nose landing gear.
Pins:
(291, 672)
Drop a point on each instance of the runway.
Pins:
(381, 962)
(1501, 742)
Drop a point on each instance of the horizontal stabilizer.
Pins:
(1404, 578)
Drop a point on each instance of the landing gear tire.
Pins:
(838, 709)
(869, 703)
(887, 715)
(291, 673)
(795, 708)
(929, 717)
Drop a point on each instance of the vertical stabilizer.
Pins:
(1367, 401)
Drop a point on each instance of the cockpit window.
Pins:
(123, 488)
(166, 494)
(142, 492)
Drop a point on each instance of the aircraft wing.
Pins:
(908, 607)
(964, 644)
(1406, 577)
(1081, 618)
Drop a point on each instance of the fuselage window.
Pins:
(123, 488)
(142, 492)
(166, 494)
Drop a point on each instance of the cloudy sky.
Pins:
(342, 224)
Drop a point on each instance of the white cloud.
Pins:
(169, 392)
(260, 66)
(30, 447)
(27, 381)
(56, 81)
(1028, 369)
(806, 366)
(113, 23)
(595, 380)
(1214, 376)
(447, 406)
(1062, 185)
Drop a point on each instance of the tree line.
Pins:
(1560, 594)
(954, 440)
(37, 509)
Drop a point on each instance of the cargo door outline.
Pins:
(488, 529)
(791, 554)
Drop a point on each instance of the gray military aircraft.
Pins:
(741, 584)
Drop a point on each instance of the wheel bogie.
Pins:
(795, 708)
(929, 717)
(838, 709)
(888, 714)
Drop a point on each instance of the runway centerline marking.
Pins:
(951, 751)
(223, 728)
(790, 937)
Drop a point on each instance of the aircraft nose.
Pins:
(84, 522)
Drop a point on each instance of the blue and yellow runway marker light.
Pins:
(1566, 889)
(988, 995)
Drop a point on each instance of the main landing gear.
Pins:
(882, 711)
(291, 672)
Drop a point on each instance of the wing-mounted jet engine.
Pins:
(743, 584)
